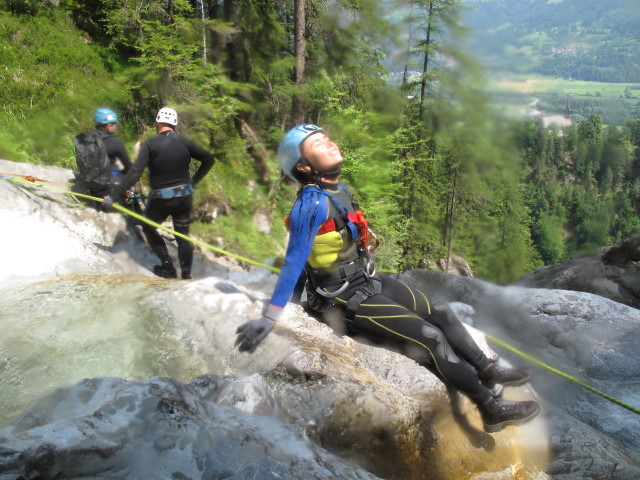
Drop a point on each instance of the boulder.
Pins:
(589, 338)
(161, 428)
(455, 266)
(614, 273)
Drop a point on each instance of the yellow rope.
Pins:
(562, 374)
(152, 223)
(277, 270)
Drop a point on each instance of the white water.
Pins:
(56, 333)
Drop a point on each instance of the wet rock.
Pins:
(586, 336)
(319, 393)
(614, 273)
(159, 428)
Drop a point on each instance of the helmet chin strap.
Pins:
(319, 176)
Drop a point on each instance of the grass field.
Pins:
(513, 95)
(556, 85)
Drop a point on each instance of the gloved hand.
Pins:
(107, 202)
(251, 333)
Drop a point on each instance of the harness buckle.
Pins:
(368, 291)
(335, 293)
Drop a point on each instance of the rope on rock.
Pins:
(25, 179)
(571, 378)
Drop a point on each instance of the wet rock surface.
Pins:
(309, 403)
(161, 428)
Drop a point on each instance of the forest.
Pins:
(436, 172)
(593, 40)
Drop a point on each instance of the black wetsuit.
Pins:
(431, 335)
(396, 315)
(167, 156)
(115, 151)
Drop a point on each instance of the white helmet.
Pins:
(167, 115)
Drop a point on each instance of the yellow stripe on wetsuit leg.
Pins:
(371, 319)
(415, 301)
(414, 315)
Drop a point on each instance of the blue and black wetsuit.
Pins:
(393, 313)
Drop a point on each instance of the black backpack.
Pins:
(93, 163)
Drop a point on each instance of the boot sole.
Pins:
(496, 427)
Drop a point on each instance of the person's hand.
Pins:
(251, 333)
(107, 202)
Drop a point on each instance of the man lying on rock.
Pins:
(329, 240)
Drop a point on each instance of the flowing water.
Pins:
(55, 333)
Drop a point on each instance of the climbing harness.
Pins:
(373, 288)
(366, 292)
(172, 192)
(331, 283)
(356, 222)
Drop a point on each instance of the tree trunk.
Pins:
(255, 147)
(232, 55)
(298, 107)
(204, 34)
(425, 65)
(217, 42)
(405, 72)
(449, 219)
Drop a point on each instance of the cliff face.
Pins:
(109, 371)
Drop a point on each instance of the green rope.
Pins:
(562, 374)
(152, 223)
(277, 270)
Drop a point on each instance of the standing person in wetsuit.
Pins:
(106, 121)
(326, 233)
(167, 155)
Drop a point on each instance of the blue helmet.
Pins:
(289, 148)
(104, 116)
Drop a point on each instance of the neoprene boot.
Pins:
(166, 270)
(186, 274)
(497, 414)
(493, 375)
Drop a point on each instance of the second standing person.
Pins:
(167, 156)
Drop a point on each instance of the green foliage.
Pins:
(52, 80)
(581, 39)
(581, 191)
(240, 236)
(549, 238)
(164, 51)
(435, 172)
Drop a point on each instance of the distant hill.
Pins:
(593, 40)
